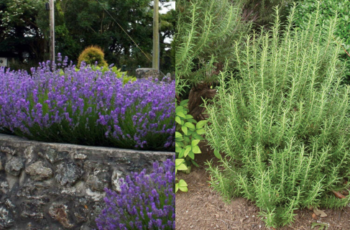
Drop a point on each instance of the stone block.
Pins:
(145, 73)
(61, 186)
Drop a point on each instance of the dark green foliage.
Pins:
(19, 32)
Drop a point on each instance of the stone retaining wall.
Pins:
(60, 186)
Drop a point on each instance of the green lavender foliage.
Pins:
(206, 31)
(282, 129)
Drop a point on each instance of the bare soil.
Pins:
(203, 209)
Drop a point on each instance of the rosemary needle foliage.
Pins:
(283, 128)
(206, 31)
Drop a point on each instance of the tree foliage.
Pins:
(19, 31)
(81, 23)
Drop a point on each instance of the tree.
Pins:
(99, 23)
(18, 30)
(81, 23)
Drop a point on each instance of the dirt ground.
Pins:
(201, 208)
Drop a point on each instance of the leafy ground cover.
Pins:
(146, 201)
(89, 107)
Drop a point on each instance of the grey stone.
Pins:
(71, 196)
(29, 154)
(4, 186)
(94, 183)
(79, 156)
(93, 167)
(67, 173)
(22, 178)
(69, 191)
(7, 150)
(50, 154)
(147, 73)
(9, 204)
(167, 78)
(14, 165)
(32, 226)
(98, 181)
(38, 171)
(53, 155)
(80, 188)
(12, 180)
(96, 196)
(59, 212)
(116, 183)
(81, 211)
(6, 220)
(85, 227)
(33, 209)
(36, 189)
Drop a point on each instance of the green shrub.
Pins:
(206, 31)
(118, 73)
(104, 69)
(282, 129)
(91, 55)
(328, 9)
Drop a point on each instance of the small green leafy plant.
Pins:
(180, 164)
(187, 138)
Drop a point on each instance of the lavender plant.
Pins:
(88, 107)
(282, 128)
(145, 201)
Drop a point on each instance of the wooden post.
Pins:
(155, 61)
(52, 31)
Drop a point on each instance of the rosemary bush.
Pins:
(282, 129)
(206, 31)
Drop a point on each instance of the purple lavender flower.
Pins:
(93, 107)
(145, 202)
